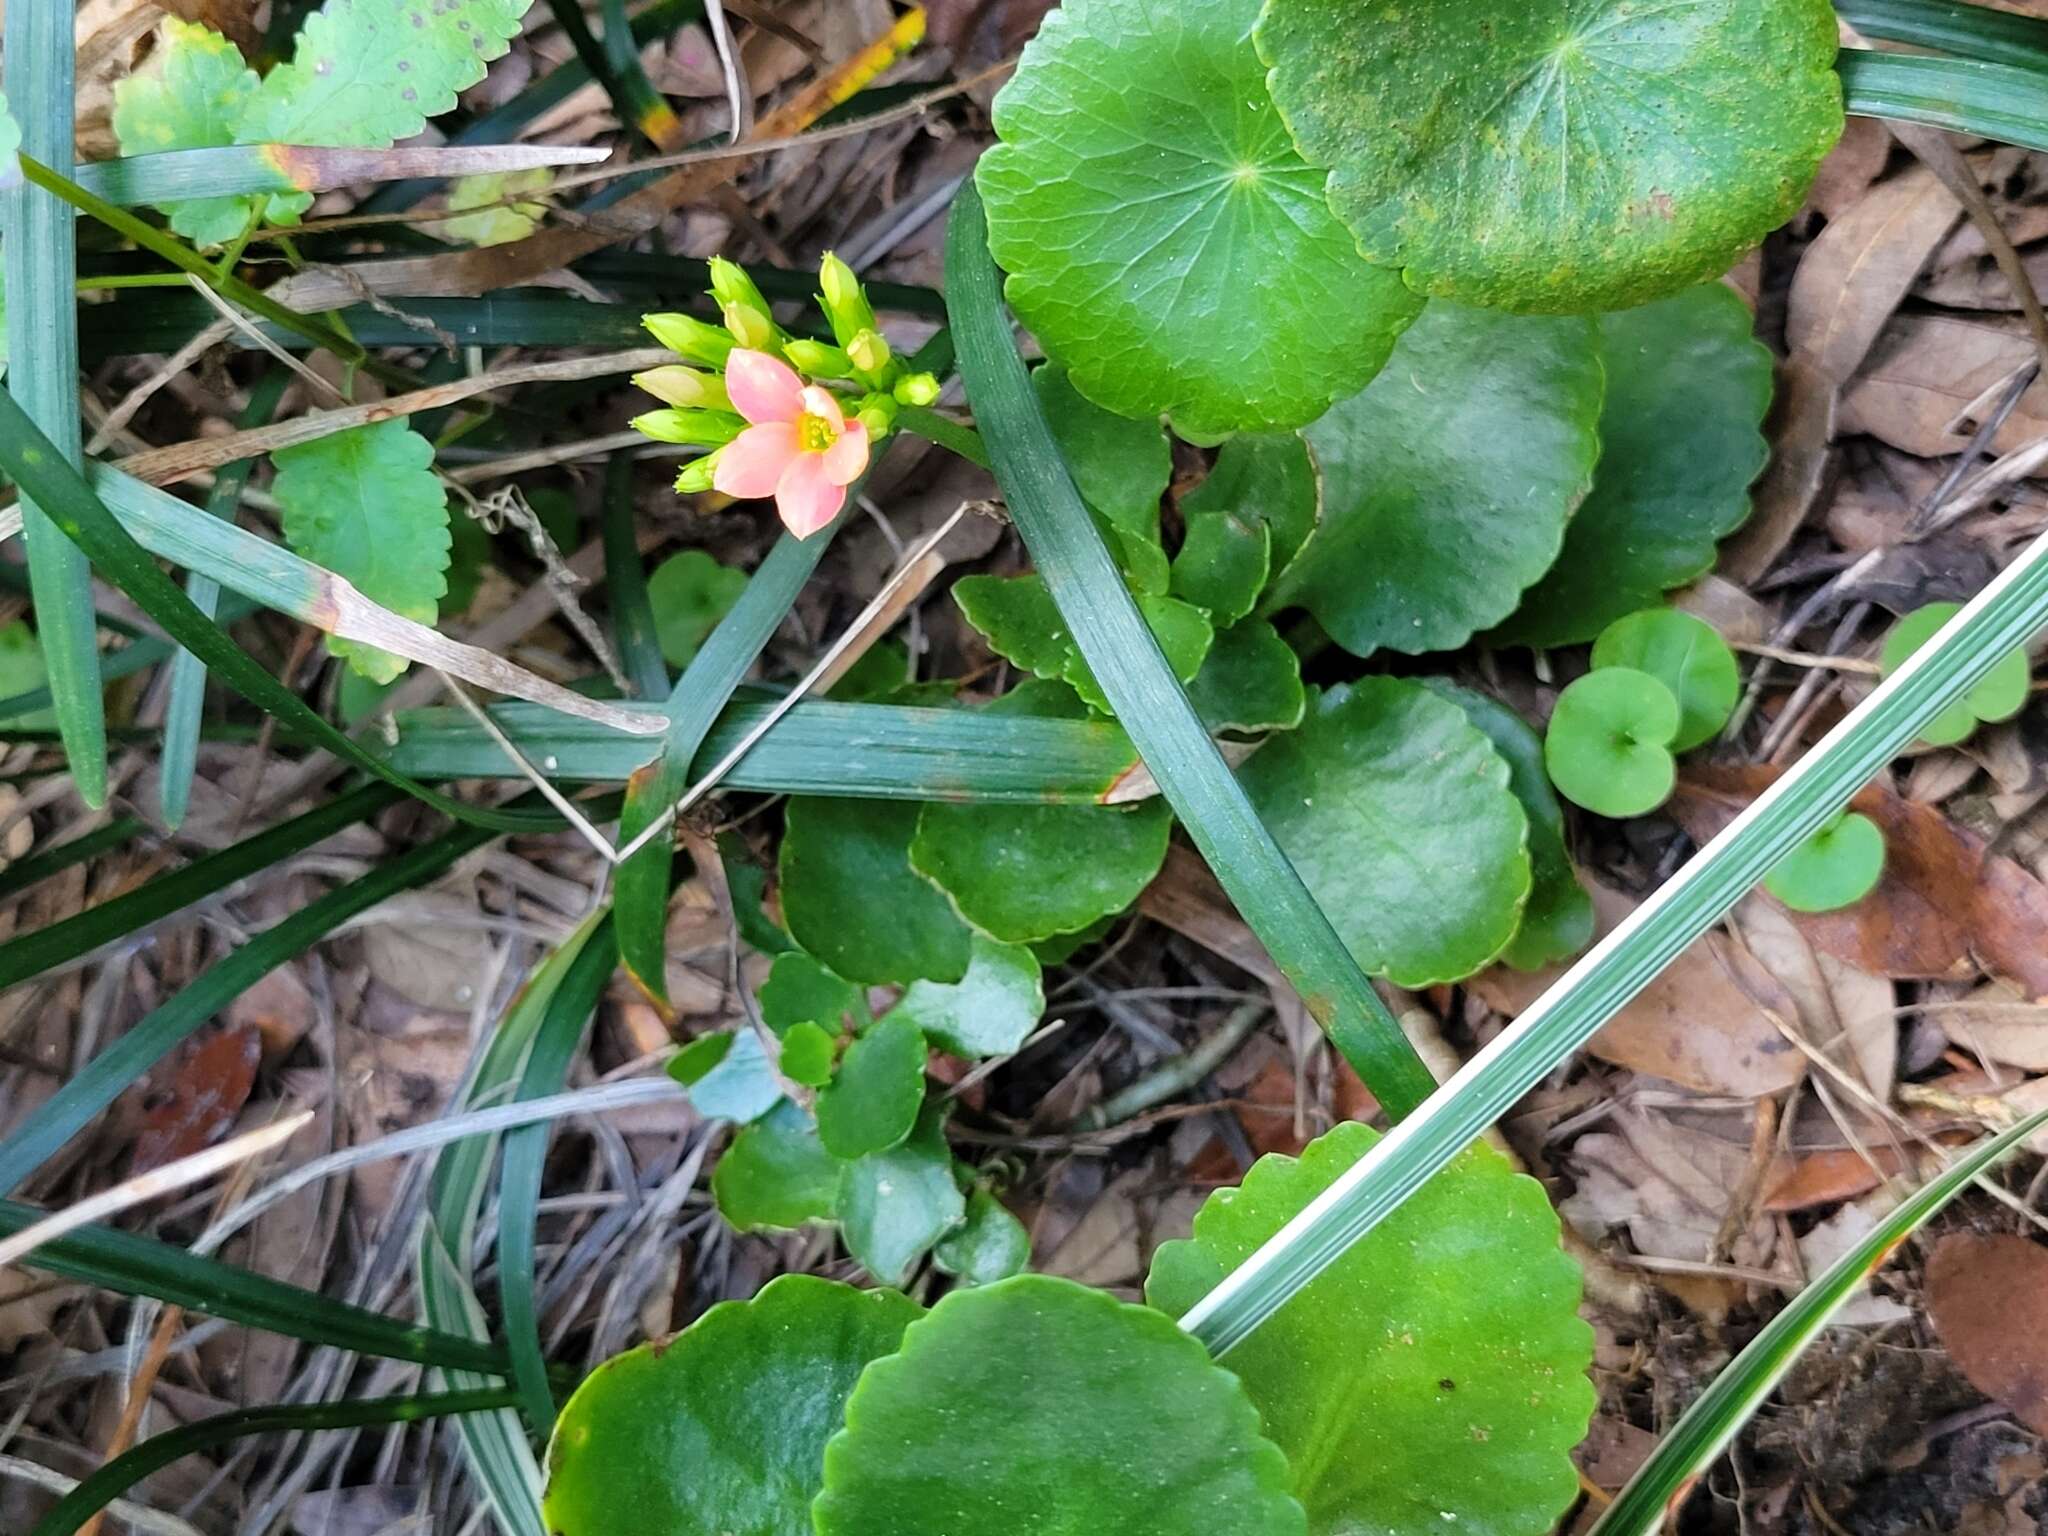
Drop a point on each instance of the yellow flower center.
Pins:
(814, 434)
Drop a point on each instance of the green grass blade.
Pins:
(43, 949)
(131, 1265)
(1661, 1484)
(547, 1066)
(1146, 696)
(125, 662)
(625, 584)
(40, 256)
(23, 873)
(42, 473)
(875, 751)
(187, 700)
(1967, 31)
(1993, 101)
(446, 1257)
(102, 1080)
(115, 1478)
(2009, 612)
(615, 65)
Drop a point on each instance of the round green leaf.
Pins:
(851, 898)
(1251, 681)
(1267, 477)
(1609, 744)
(1434, 1378)
(894, 1205)
(1163, 238)
(872, 1101)
(1018, 618)
(1039, 1407)
(1836, 867)
(807, 1053)
(990, 1011)
(2001, 695)
(1398, 815)
(990, 1245)
(799, 990)
(1557, 920)
(1222, 564)
(1685, 654)
(721, 1429)
(1688, 387)
(776, 1175)
(690, 592)
(1558, 155)
(1447, 483)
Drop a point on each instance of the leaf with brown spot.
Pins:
(1706, 1022)
(1988, 1298)
(202, 1089)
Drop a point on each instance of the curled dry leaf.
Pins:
(1705, 1023)
(1988, 1297)
(190, 1103)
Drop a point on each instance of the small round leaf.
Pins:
(689, 593)
(851, 898)
(1039, 1407)
(776, 1175)
(1686, 655)
(1163, 238)
(807, 1053)
(872, 1101)
(2001, 695)
(722, 1428)
(894, 1205)
(1433, 1379)
(1558, 155)
(1609, 744)
(990, 1245)
(1836, 867)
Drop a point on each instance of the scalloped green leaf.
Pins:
(989, 1245)
(990, 1011)
(1022, 624)
(1222, 564)
(799, 990)
(1039, 1407)
(689, 593)
(1558, 155)
(365, 504)
(1432, 1379)
(851, 898)
(1836, 867)
(1268, 477)
(1398, 815)
(192, 94)
(1163, 238)
(721, 1429)
(1681, 439)
(1557, 920)
(1448, 482)
(727, 1076)
(1251, 681)
(776, 1176)
(807, 1054)
(2001, 695)
(871, 1103)
(371, 72)
(1685, 654)
(1608, 746)
(894, 1205)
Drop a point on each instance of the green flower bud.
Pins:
(690, 338)
(817, 359)
(917, 389)
(731, 286)
(750, 328)
(844, 301)
(685, 387)
(870, 353)
(695, 478)
(878, 414)
(708, 429)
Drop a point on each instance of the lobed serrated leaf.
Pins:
(192, 94)
(366, 505)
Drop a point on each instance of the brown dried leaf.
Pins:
(1826, 1178)
(1995, 1021)
(191, 1100)
(1848, 1014)
(1854, 277)
(1987, 1295)
(1929, 368)
(1704, 1023)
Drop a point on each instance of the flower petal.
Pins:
(822, 402)
(845, 459)
(754, 463)
(806, 496)
(763, 388)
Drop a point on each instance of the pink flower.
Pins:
(801, 449)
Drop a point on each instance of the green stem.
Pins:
(943, 430)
